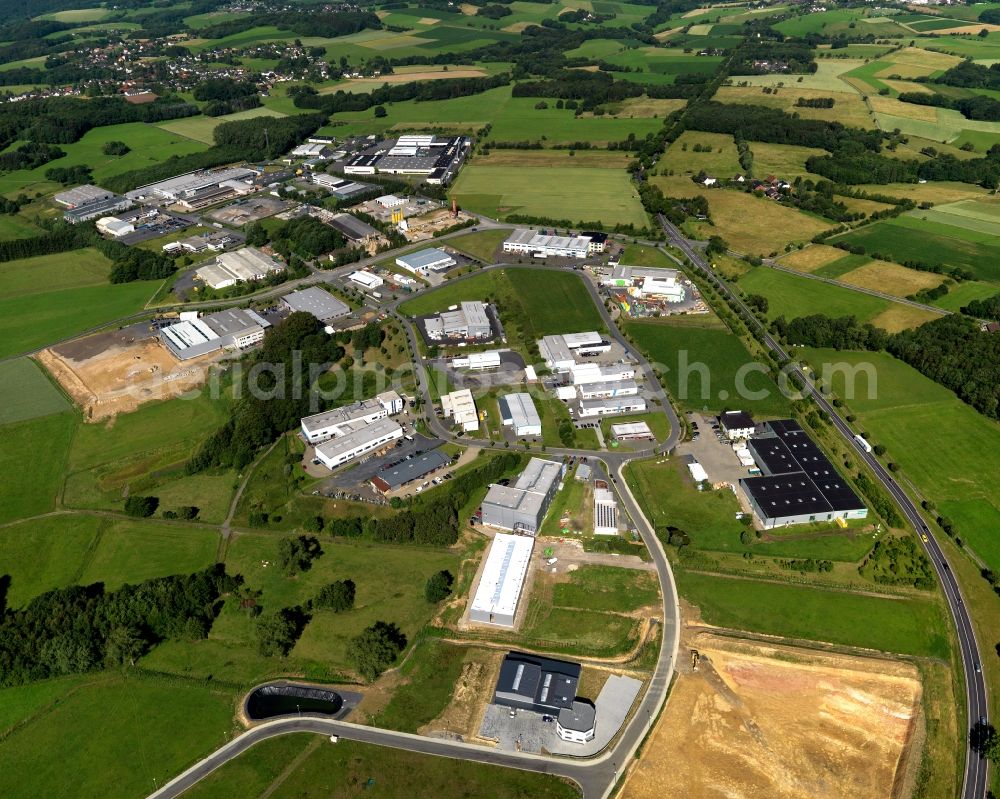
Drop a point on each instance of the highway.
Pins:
(597, 776)
(975, 779)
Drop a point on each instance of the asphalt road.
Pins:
(975, 780)
(596, 776)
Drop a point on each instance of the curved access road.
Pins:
(597, 776)
(975, 779)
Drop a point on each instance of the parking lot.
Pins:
(716, 456)
(364, 471)
(153, 223)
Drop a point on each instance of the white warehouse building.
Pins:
(355, 439)
(426, 261)
(502, 580)
(328, 424)
(461, 406)
(605, 512)
(528, 242)
(366, 279)
(242, 265)
(518, 411)
(614, 406)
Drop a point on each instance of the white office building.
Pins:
(605, 512)
(461, 407)
(355, 439)
(631, 431)
(334, 422)
(584, 373)
(615, 406)
(606, 390)
(518, 411)
(469, 321)
(560, 353)
(502, 580)
(114, 227)
(530, 243)
(477, 361)
(426, 261)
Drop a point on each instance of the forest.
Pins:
(83, 628)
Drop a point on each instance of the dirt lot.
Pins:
(112, 376)
(759, 720)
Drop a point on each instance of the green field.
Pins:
(532, 302)
(149, 144)
(607, 588)
(201, 128)
(33, 462)
(682, 345)
(954, 458)
(323, 771)
(718, 156)
(913, 239)
(26, 392)
(905, 626)
(580, 194)
(482, 245)
(129, 734)
(792, 296)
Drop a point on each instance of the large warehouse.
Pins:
(469, 321)
(426, 261)
(355, 439)
(502, 579)
(197, 189)
(518, 411)
(316, 301)
(461, 407)
(560, 352)
(436, 159)
(390, 478)
(331, 423)
(527, 242)
(232, 329)
(798, 482)
(521, 507)
(83, 203)
(241, 265)
(612, 406)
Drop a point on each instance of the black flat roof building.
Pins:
(541, 684)
(799, 483)
(389, 478)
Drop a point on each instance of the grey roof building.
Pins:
(351, 226)
(389, 478)
(432, 259)
(317, 301)
(232, 329)
(532, 682)
(521, 507)
(518, 411)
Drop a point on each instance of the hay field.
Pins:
(827, 77)
(848, 106)
(898, 317)
(723, 160)
(891, 278)
(787, 161)
(811, 258)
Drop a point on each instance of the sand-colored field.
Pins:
(891, 278)
(864, 206)
(517, 27)
(786, 161)
(666, 34)
(750, 225)
(782, 723)
(930, 60)
(889, 105)
(120, 378)
(902, 317)
(597, 159)
(811, 258)
(969, 29)
(645, 107)
(907, 86)
(426, 74)
(936, 192)
(428, 21)
(849, 108)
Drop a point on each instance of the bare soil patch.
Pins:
(760, 720)
(118, 378)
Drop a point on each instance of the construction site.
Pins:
(249, 210)
(749, 718)
(116, 372)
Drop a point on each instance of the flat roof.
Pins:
(538, 680)
(317, 301)
(520, 409)
(736, 420)
(773, 455)
(406, 471)
(350, 226)
(503, 574)
(631, 429)
(424, 259)
(358, 435)
(342, 415)
(581, 717)
(82, 195)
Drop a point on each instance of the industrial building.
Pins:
(339, 187)
(605, 390)
(114, 227)
(614, 406)
(328, 424)
(318, 302)
(468, 321)
(461, 407)
(355, 439)
(598, 240)
(577, 724)
(521, 507)
(605, 512)
(502, 580)
(214, 240)
(390, 478)
(536, 683)
(196, 190)
(437, 159)
(631, 431)
(798, 482)
(646, 282)
(518, 411)
(232, 329)
(584, 373)
(426, 261)
(352, 227)
(311, 150)
(241, 265)
(560, 352)
(527, 242)
(477, 361)
(737, 424)
(366, 279)
(86, 202)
